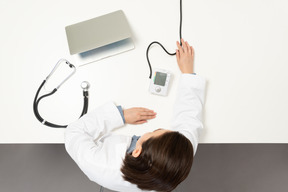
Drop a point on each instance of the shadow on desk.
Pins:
(216, 167)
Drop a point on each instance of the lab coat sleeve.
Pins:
(187, 115)
(80, 136)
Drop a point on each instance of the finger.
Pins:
(140, 122)
(189, 48)
(192, 50)
(179, 48)
(184, 46)
(147, 113)
(177, 56)
(147, 117)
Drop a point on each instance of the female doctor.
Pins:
(158, 160)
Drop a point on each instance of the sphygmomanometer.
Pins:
(160, 79)
(159, 82)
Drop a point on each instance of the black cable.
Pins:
(35, 107)
(85, 106)
(180, 26)
(156, 42)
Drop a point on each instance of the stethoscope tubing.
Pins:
(37, 100)
(35, 107)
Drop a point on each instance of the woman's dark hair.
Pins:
(165, 161)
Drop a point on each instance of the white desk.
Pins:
(241, 48)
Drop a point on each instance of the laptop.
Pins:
(100, 37)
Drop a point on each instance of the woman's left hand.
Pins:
(138, 115)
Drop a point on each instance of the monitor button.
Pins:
(157, 89)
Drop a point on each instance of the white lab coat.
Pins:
(99, 152)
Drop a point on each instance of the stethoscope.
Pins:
(84, 85)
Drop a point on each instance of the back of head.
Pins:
(165, 161)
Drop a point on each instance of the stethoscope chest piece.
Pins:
(85, 85)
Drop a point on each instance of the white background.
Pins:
(240, 46)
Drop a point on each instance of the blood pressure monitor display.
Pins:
(159, 82)
(160, 78)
